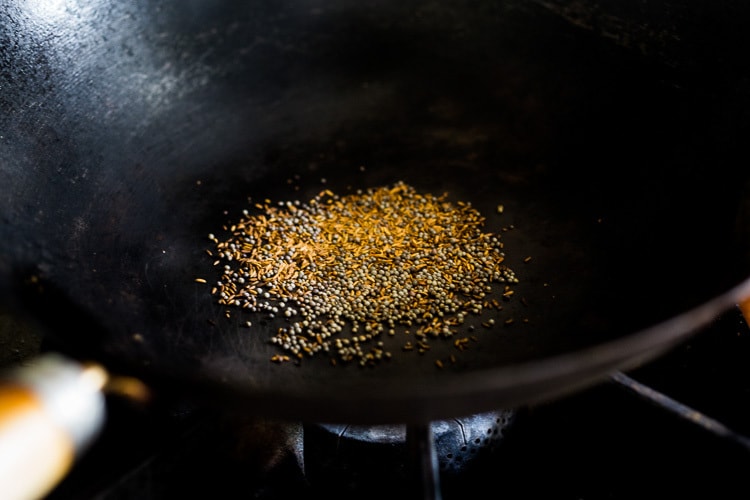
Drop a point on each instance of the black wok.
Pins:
(129, 132)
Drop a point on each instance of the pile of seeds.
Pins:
(345, 270)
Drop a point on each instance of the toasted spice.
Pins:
(345, 270)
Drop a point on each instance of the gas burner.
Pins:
(418, 457)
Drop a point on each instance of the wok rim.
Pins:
(507, 387)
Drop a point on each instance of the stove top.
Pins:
(606, 442)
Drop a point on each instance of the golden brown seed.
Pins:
(365, 262)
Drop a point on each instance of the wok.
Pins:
(130, 132)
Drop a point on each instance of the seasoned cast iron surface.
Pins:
(131, 132)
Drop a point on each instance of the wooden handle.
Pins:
(35, 452)
(49, 413)
(744, 306)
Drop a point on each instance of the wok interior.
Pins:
(133, 135)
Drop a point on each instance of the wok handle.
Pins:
(50, 411)
(744, 306)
